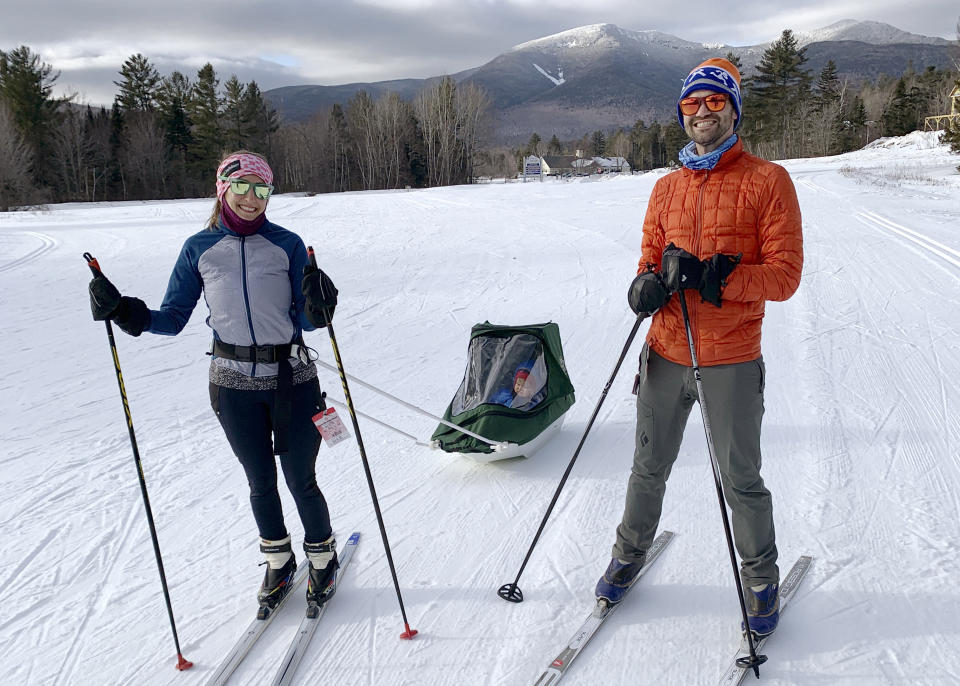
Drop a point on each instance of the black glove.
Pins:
(716, 269)
(130, 314)
(104, 298)
(321, 296)
(681, 270)
(647, 294)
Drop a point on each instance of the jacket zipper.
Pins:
(246, 298)
(696, 251)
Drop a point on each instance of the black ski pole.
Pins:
(511, 592)
(753, 661)
(408, 633)
(182, 662)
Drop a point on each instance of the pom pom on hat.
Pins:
(718, 75)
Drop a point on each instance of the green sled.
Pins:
(514, 389)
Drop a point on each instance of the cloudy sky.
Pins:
(290, 42)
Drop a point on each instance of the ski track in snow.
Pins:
(46, 243)
(861, 445)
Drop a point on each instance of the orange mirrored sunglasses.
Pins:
(715, 103)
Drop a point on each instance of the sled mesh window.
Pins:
(507, 371)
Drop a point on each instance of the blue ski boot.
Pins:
(617, 579)
(763, 609)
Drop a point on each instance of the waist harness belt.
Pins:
(269, 354)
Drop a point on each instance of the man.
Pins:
(724, 232)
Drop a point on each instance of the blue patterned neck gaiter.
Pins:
(691, 160)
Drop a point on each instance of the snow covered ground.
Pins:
(861, 444)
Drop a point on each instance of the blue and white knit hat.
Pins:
(716, 74)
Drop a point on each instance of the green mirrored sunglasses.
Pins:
(242, 187)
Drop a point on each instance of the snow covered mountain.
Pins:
(872, 32)
(603, 76)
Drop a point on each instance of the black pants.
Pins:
(247, 419)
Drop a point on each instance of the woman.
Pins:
(261, 292)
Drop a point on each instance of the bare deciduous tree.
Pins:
(619, 144)
(451, 120)
(301, 154)
(72, 151)
(473, 106)
(16, 187)
(145, 156)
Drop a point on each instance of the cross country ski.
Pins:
(735, 672)
(308, 625)
(601, 611)
(252, 634)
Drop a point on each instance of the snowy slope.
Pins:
(874, 32)
(861, 443)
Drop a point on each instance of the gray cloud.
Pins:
(342, 41)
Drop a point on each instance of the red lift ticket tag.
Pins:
(330, 427)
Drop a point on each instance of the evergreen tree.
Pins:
(829, 88)
(899, 115)
(234, 128)
(98, 125)
(598, 143)
(853, 134)
(554, 147)
(340, 143)
(928, 84)
(533, 145)
(173, 97)
(204, 111)
(674, 139)
(116, 180)
(658, 154)
(416, 153)
(775, 118)
(829, 106)
(140, 84)
(639, 150)
(26, 84)
(260, 120)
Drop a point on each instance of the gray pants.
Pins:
(734, 394)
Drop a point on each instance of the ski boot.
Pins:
(763, 609)
(323, 566)
(281, 566)
(615, 582)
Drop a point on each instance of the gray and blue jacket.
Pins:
(252, 288)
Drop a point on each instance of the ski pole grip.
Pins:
(92, 263)
(312, 257)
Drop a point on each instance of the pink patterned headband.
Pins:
(239, 165)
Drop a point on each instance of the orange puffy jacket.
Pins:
(743, 205)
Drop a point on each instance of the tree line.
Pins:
(163, 136)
